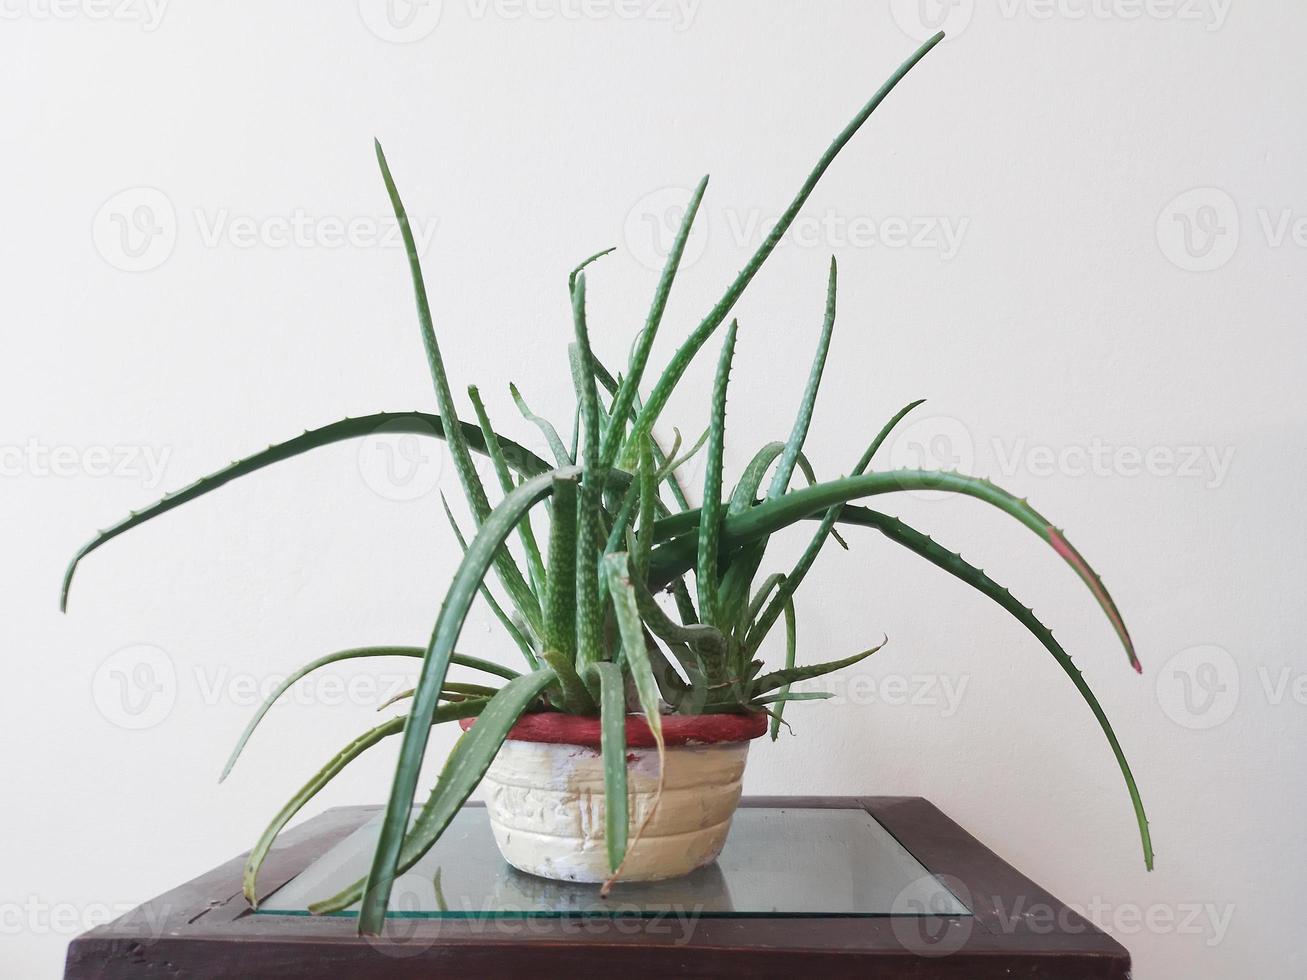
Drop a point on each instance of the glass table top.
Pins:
(777, 862)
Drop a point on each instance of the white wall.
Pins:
(1067, 318)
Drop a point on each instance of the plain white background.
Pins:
(1078, 228)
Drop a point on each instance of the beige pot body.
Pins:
(546, 806)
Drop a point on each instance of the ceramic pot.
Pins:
(544, 794)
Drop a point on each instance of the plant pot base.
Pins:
(546, 807)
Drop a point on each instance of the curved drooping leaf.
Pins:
(635, 656)
(759, 629)
(453, 613)
(467, 763)
(476, 663)
(673, 557)
(700, 636)
(675, 462)
(954, 564)
(409, 423)
(680, 361)
(571, 276)
(333, 768)
(561, 455)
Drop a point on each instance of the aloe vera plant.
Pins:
(584, 604)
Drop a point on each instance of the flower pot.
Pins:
(544, 794)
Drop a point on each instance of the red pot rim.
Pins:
(561, 729)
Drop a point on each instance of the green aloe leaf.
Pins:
(636, 657)
(571, 278)
(629, 388)
(612, 745)
(701, 637)
(576, 696)
(446, 712)
(357, 653)
(773, 581)
(505, 620)
(560, 600)
(626, 513)
(954, 564)
(762, 626)
(803, 418)
(783, 697)
(509, 574)
(634, 653)
(676, 368)
(711, 514)
(463, 770)
(589, 613)
(412, 423)
(545, 426)
(791, 649)
(535, 564)
(610, 384)
(648, 482)
(782, 678)
(453, 613)
(675, 462)
(746, 490)
(450, 692)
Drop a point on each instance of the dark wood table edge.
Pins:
(203, 928)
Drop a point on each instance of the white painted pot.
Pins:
(544, 794)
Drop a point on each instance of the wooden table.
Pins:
(204, 929)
